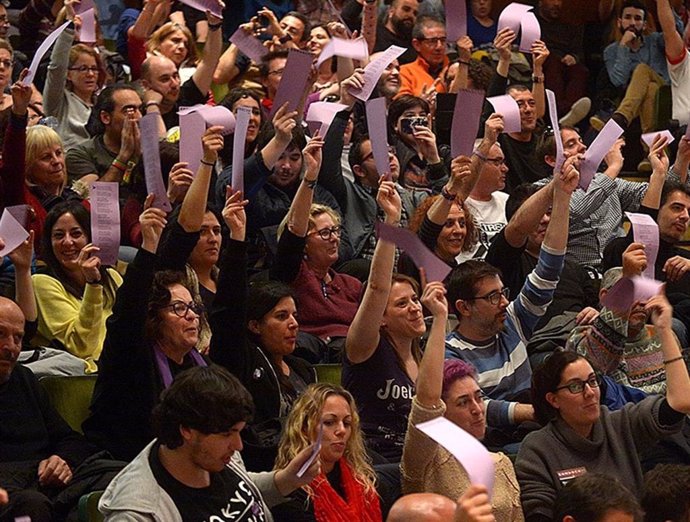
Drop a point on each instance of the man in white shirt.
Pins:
(678, 61)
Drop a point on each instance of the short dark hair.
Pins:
(665, 493)
(268, 58)
(159, 297)
(518, 196)
(463, 279)
(517, 87)
(635, 4)
(207, 399)
(355, 156)
(546, 144)
(305, 21)
(589, 497)
(671, 186)
(105, 102)
(545, 379)
(267, 132)
(405, 103)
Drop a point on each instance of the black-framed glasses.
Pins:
(85, 68)
(494, 297)
(181, 308)
(326, 233)
(577, 386)
(434, 41)
(6, 63)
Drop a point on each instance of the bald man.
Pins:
(472, 506)
(38, 450)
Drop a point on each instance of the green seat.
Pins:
(88, 507)
(70, 396)
(328, 373)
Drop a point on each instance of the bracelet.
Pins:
(538, 79)
(149, 103)
(311, 183)
(448, 195)
(679, 358)
(126, 178)
(119, 165)
(464, 62)
(210, 164)
(215, 27)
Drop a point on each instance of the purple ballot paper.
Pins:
(471, 453)
(511, 16)
(294, 80)
(314, 453)
(22, 213)
(105, 220)
(356, 49)
(374, 70)
(249, 44)
(42, 50)
(238, 143)
(436, 270)
(11, 232)
(553, 114)
(456, 19)
(530, 32)
(150, 150)
(323, 113)
(507, 107)
(597, 150)
(88, 26)
(194, 121)
(466, 115)
(628, 291)
(376, 125)
(646, 231)
(206, 5)
(648, 138)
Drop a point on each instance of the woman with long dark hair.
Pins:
(76, 294)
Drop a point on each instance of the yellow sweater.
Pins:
(79, 324)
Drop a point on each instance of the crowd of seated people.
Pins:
(257, 351)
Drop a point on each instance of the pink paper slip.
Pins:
(596, 152)
(249, 44)
(436, 269)
(507, 107)
(628, 291)
(150, 149)
(238, 143)
(376, 125)
(42, 50)
(456, 19)
(648, 138)
(105, 220)
(205, 5)
(511, 16)
(646, 231)
(530, 32)
(11, 232)
(466, 115)
(374, 70)
(355, 49)
(322, 113)
(294, 80)
(553, 113)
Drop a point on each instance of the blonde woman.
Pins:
(345, 489)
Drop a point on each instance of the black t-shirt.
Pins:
(523, 165)
(229, 497)
(189, 95)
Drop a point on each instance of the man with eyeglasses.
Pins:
(492, 332)
(271, 70)
(421, 76)
(487, 201)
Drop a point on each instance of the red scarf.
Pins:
(358, 506)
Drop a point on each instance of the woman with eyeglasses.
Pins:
(255, 332)
(450, 389)
(308, 246)
(75, 295)
(580, 435)
(75, 74)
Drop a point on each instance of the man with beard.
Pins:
(397, 29)
(618, 342)
(492, 332)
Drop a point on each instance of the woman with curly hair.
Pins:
(345, 488)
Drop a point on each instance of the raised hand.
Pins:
(503, 42)
(90, 263)
(657, 155)
(234, 215)
(212, 141)
(22, 256)
(634, 260)
(152, 222)
(539, 54)
(426, 140)
(312, 155)
(389, 200)
(568, 178)
(283, 123)
(434, 299)
(661, 309)
(493, 127)
(179, 181)
(21, 95)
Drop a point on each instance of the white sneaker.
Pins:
(577, 112)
